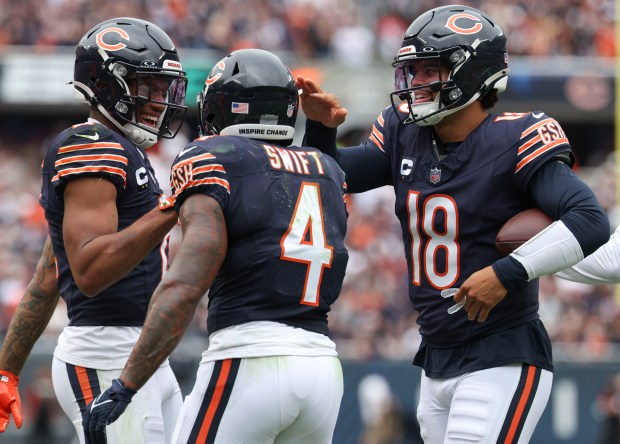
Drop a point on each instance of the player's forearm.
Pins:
(109, 258)
(32, 314)
(170, 313)
(173, 305)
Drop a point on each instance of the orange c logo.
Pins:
(213, 77)
(471, 30)
(116, 47)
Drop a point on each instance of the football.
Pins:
(520, 228)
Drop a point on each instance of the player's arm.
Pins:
(99, 254)
(581, 227)
(366, 167)
(601, 267)
(27, 324)
(198, 259)
(172, 307)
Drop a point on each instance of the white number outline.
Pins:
(307, 220)
(446, 240)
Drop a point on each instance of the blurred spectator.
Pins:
(608, 403)
(314, 28)
(385, 421)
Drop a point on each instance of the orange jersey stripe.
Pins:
(209, 168)
(206, 156)
(91, 158)
(94, 169)
(539, 151)
(211, 181)
(90, 146)
(376, 142)
(215, 401)
(528, 144)
(377, 134)
(531, 371)
(535, 127)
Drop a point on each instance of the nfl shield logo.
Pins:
(435, 175)
(289, 110)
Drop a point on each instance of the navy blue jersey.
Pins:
(286, 223)
(450, 211)
(93, 150)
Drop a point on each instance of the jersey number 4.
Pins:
(305, 241)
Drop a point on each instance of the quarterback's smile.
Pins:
(149, 119)
(423, 96)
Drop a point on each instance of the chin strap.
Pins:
(139, 137)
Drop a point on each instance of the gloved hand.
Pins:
(104, 410)
(166, 202)
(10, 404)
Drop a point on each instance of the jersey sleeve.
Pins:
(197, 170)
(378, 132)
(90, 151)
(542, 139)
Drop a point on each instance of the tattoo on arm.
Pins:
(174, 302)
(32, 314)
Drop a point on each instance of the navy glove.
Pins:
(104, 410)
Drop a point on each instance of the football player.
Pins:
(459, 172)
(107, 223)
(263, 230)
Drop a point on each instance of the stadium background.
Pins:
(562, 60)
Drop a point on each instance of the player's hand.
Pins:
(318, 105)
(104, 410)
(165, 203)
(481, 292)
(10, 403)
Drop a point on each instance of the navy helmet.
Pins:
(119, 64)
(249, 93)
(466, 41)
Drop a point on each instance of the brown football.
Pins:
(520, 228)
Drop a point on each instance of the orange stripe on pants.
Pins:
(215, 401)
(87, 391)
(524, 397)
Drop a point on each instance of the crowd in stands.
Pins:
(373, 317)
(356, 31)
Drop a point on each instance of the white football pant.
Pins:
(149, 418)
(501, 404)
(264, 400)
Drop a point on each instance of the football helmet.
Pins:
(130, 71)
(461, 40)
(249, 93)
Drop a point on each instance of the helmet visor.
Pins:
(417, 72)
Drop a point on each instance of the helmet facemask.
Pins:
(153, 103)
